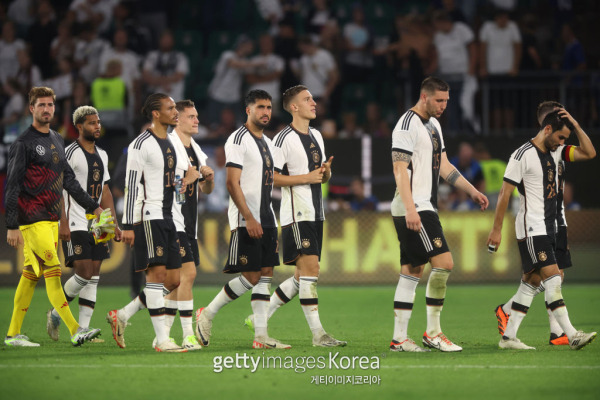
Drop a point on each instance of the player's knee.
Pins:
(253, 277)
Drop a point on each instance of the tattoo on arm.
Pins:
(400, 156)
(453, 177)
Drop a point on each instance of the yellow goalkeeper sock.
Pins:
(58, 299)
(23, 297)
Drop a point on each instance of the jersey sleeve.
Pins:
(514, 170)
(133, 175)
(17, 165)
(404, 137)
(104, 158)
(234, 154)
(279, 151)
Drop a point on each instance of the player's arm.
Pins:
(17, 166)
(326, 168)
(585, 150)
(107, 201)
(237, 195)
(503, 199)
(208, 184)
(314, 176)
(455, 178)
(133, 175)
(64, 233)
(401, 161)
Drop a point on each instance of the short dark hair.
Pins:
(183, 104)
(289, 94)
(431, 84)
(256, 94)
(557, 122)
(546, 107)
(441, 15)
(40, 91)
(152, 103)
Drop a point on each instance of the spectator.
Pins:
(492, 170)
(63, 45)
(267, 71)
(468, 166)
(270, 10)
(29, 75)
(286, 46)
(317, 71)
(130, 70)
(218, 201)
(358, 59)
(165, 69)
(350, 129)
(88, 49)
(569, 199)
(454, 12)
(376, 126)
(63, 82)
(500, 57)
(41, 36)
(97, 13)
(227, 124)
(109, 96)
(225, 89)
(13, 109)
(358, 199)
(9, 47)
(530, 58)
(456, 60)
(138, 37)
(21, 12)
(319, 15)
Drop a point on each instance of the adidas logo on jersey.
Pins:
(168, 150)
(548, 163)
(312, 145)
(52, 147)
(147, 212)
(530, 229)
(95, 164)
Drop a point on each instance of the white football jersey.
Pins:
(185, 215)
(91, 171)
(534, 173)
(149, 179)
(297, 154)
(423, 141)
(254, 157)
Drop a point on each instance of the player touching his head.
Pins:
(90, 165)
(532, 169)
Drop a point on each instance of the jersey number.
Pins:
(268, 177)
(170, 179)
(95, 191)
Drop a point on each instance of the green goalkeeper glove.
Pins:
(102, 228)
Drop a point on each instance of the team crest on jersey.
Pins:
(78, 249)
(96, 175)
(55, 158)
(48, 255)
(159, 251)
(305, 243)
(182, 252)
(435, 144)
(170, 161)
(268, 161)
(542, 256)
(560, 169)
(243, 260)
(550, 174)
(437, 242)
(316, 157)
(40, 149)
(52, 147)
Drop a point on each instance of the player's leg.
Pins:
(22, 300)
(87, 296)
(243, 257)
(171, 293)
(552, 281)
(184, 296)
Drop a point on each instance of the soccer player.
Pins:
(90, 165)
(191, 165)
(419, 159)
(37, 174)
(148, 220)
(253, 244)
(532, 169)
(562, 253)
(300, 170)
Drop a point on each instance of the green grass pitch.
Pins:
(360, 315)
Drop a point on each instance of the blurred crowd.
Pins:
(362, 61)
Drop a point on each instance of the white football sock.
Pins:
(170, 313)
(556, 303)
(283, 294)
(87, 301)
(309, 300)
(520, 306)
(260, 305)
(156, 308)
(434, 298)
(404, 299)
(135, 305)
(186, 309)
(231, 291)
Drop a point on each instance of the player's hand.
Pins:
(191, 176)
(564, 114)
(315, 176)
(97, 213)
(208, 173)
(413, 221)
(14, 237)
(118, 234)
(326, 167)
(480, 199)
(128, 237)
(254, 228)
(494, 240)
(64, 233)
